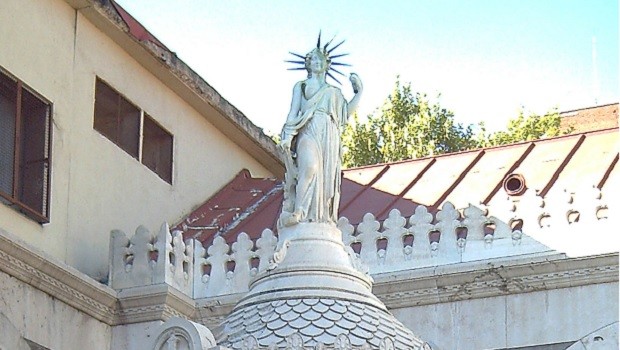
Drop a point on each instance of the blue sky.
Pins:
(487, 58)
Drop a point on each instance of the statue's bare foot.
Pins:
(291, 219)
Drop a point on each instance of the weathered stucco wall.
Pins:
(515, 320)
(47, 321)
(95, 185)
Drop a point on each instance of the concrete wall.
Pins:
(28, 313)
(516, 320)
(95, 185)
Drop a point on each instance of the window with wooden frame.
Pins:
(25, 140)
(133, 130)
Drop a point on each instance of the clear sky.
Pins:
(487, 58)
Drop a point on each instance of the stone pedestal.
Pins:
(313, 295)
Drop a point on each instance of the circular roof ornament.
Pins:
(514, 184)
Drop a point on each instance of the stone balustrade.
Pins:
(424, 239)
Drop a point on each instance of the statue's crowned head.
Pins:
(322, 54)
(317, 55)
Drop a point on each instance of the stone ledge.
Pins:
(496, 278)
(55, 278)
(464, 281)
(397, 290)
(47, 274)
(155, 302)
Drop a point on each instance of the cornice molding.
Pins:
(55, 278)
(489, 279)
(155, 302)
(47, 274)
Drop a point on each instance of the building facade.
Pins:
(99, 127)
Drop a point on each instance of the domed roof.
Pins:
(317, 321)
(313, 296)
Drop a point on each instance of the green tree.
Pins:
(522, 128)
(409, 125)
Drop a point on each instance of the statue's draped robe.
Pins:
(318, 124)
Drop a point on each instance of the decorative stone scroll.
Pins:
(181, 334)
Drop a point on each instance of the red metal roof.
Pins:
(250, 205)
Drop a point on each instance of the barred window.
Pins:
(25, 136)
(133, 130)
(117, 119)
(157, 149)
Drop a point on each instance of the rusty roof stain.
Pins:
(570, 162)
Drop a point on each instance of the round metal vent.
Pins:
(514, 184)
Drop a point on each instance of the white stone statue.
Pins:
(310, 141)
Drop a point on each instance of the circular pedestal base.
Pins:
(313, 295)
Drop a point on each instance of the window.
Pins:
(157, 149)
(25, 134)
(133, 130)
(117, 119)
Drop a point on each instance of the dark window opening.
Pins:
(157, 149)
(117, 119)
(120, 121)
(25, 134)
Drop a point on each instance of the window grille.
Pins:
(25, 136)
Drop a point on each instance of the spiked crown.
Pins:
(326, 51)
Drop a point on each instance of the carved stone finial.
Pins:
(386, 344)
(249, 343)
(342, 342)
(294, 342)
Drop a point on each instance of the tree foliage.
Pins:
(522, 128)
(410, 125)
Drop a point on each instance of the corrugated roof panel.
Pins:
(590, 162)
(363, 176)
(484, 176)
(264, 216)
(250, 205)
(405, 206)
(349, 192)
(441, 175)
(544, 160)
(400, 175)
(542, 163)
(355, 181)
(225, 206)
(370, 200)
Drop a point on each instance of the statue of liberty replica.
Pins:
(315, 294)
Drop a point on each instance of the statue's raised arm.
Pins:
(310, 139)
(356, 83)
